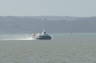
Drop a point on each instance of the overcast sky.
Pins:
(79, 8)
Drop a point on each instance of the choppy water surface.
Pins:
(62, 50)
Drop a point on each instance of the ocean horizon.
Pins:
(55, 36)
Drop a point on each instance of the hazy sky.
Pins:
(80, 8)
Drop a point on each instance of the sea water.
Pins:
(64, 48)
